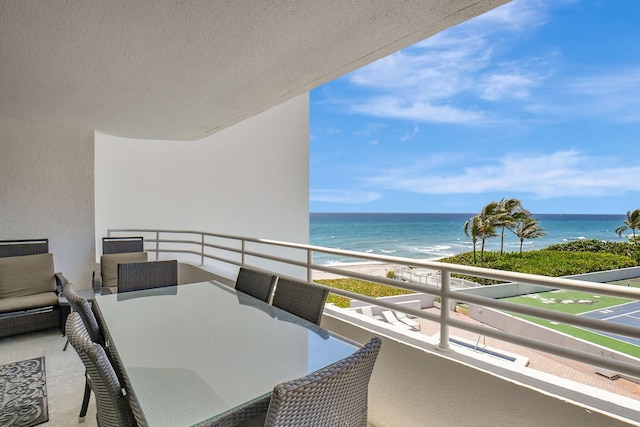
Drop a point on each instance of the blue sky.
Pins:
(538, 100)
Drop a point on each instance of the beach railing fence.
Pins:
(429, 277)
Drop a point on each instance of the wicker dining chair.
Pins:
(303, 299)
(81, 306)
(257, 283)
(119, 245)
(113, 409)
(333, 396)
(116, 250)
(134, 276)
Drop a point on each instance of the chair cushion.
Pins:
(26, 275)
(109, 266)
(28, 302)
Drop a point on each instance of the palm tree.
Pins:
(527, 228)
(631, 223)
(472, 230)
(490, 217)
(514, 213)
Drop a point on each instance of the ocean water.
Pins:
(428, 236)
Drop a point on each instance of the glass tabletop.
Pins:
(192, 352)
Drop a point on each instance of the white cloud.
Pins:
(436, 69)
(370, 129)
(408, 136)
(559, 174)
(609, 82)
(343, 196)
(507, 85)
(613, 94)
(424, 81)
(462, 76)
(519, 15)
(394, 107)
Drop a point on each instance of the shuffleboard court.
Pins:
(623, 314)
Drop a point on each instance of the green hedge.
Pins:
(371, 289)
(598, 246)
(545, 262)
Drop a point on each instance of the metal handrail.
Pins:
(199, 247)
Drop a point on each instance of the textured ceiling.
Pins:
(185, 69)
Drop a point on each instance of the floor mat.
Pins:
(23, 394)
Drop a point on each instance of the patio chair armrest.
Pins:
(96, 279)
(60, 282)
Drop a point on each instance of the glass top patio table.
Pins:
(193, 352)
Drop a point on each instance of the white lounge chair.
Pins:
(390, 317)
(368, 312)
(407, 321)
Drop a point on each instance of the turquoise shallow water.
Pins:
(433, 235)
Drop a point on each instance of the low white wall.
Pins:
(609, 275)
(188, 273)
(417, 301)
(508, 323)
(46, 185)
(413, 386)
(505, 290)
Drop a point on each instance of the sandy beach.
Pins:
(372, 269)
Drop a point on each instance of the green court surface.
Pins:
(574, 302)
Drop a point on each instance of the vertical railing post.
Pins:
(242, 248)
(157, 245)
(202, 249)
(309, 261)
(445, 316)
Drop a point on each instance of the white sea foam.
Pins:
(431, 249)
(349, 263)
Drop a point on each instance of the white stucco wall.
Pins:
(251, 179)
(415, 385)
(46, 190)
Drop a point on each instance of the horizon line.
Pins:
(454, 213)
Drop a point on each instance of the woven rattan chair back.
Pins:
(9, 248)
(303, 299)
(147, 275)
(334, 396)
(112, 407)
(118, 245)
(81, 306)
(257, 283)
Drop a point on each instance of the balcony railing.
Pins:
(223, 253)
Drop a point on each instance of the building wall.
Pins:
(46, 188)
(413, 385)
(251, 179)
